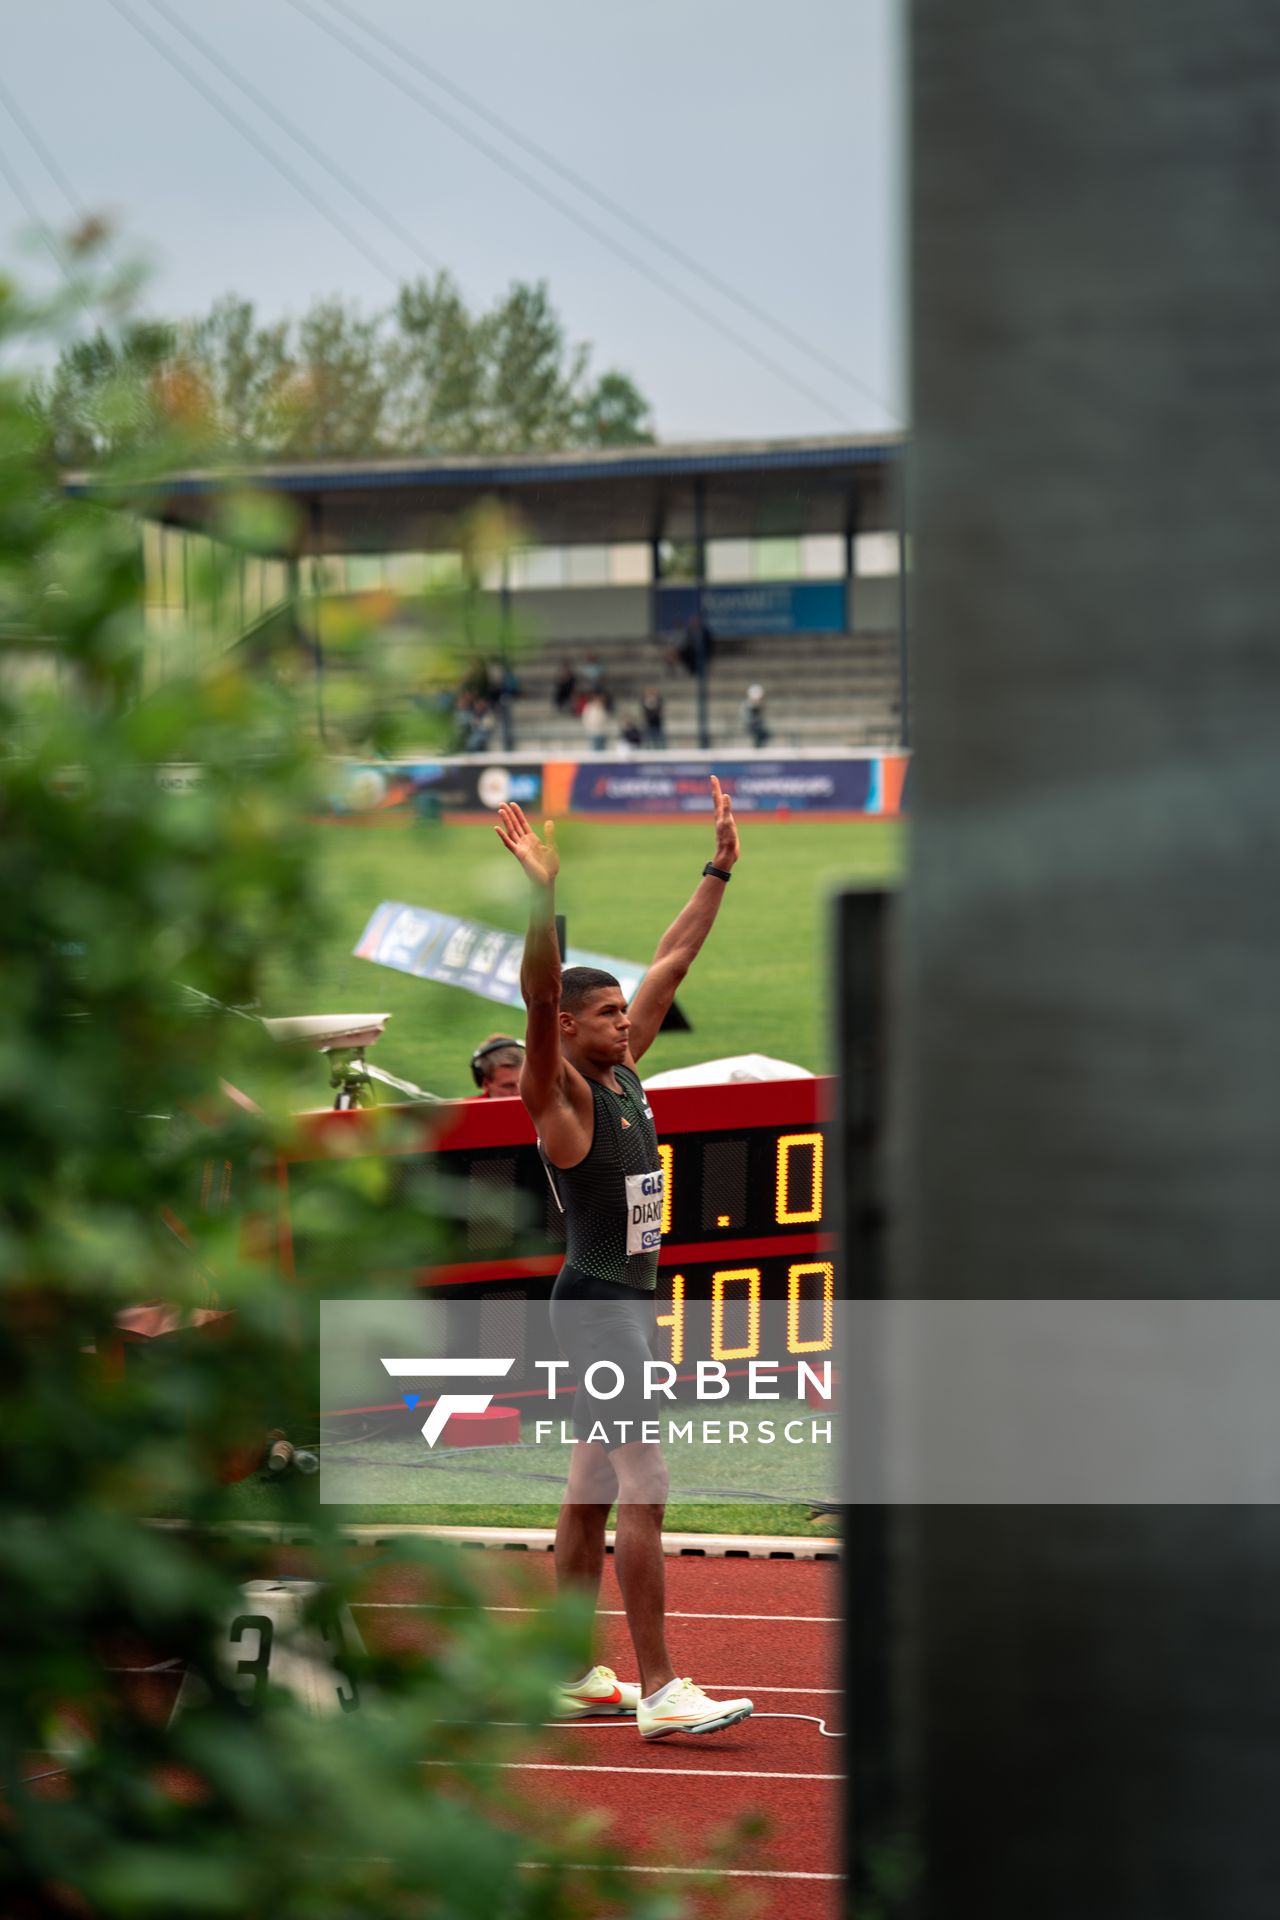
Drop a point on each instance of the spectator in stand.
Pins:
(502, 689)
(633, 731)
(696, 645)
(654, 712)
(754, 724)
(566, 686)
(475, 680)
(592, 672)
(595, 722)
(473, 722)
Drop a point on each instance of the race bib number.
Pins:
(644, 1211)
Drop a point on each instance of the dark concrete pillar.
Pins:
(1083, 1708)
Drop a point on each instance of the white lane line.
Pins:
(622, 1723)
(624, 1720)
(173, 1667)
(733, 1687)
(813, 1718)
(712, 1873)
(610, 1613)
(587, 1866)
(588, 1766)
(749, 1687)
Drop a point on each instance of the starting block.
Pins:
(267, 1643)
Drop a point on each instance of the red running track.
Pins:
(766, 1628)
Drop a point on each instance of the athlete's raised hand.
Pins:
(726, 830)
(539, 858)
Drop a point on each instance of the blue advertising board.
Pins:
(754, 786)
(366, 788)
(466, 953)
(756, 607)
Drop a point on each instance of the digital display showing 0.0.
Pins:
(746, 1209)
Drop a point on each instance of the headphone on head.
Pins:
(499, 1042)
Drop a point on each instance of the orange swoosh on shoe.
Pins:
(600, 1699)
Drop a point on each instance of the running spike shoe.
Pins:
(684, 1708)
(600, 1693)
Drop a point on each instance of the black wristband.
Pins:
(717, 873)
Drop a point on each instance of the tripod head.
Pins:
(344, 1037)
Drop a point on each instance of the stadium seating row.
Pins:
(820, 690)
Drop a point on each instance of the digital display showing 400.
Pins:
(736, 1295)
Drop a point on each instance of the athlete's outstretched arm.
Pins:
(542, 1073)
(681, 943)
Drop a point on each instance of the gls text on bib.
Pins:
(644, 1211)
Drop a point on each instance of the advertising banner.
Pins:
(374, 788)
(754, 786)
(466, 953)
(756, 607)
(871, 783)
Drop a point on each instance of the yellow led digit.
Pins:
(667, 1155)
(675, 1319)
(719, 1281)
(795, 1275)
(786, 1214)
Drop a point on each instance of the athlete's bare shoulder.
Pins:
(564, 1115)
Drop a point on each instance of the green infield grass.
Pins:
(761, 1466)
(259, 1500)
(759, 986)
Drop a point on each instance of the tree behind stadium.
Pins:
(427, 376)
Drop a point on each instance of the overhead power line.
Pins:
(33, 214)
(690, 262)
(403, 234)
(248, 133)
(598, 233)
(42, 152)
(53, 167)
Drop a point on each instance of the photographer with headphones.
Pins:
(495, 1067)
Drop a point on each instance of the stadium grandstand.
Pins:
(792, 553)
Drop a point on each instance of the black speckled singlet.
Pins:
(594, 1193)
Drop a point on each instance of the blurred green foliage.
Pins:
(129, 1176)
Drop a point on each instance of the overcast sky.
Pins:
(761, 136)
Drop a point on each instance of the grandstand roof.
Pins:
(748, 488)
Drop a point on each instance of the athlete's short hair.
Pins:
(577, 984)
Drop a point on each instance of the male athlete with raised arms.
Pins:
(597, 1140)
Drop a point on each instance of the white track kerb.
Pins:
(710, 1546)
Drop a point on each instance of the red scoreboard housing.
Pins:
(747, 1213)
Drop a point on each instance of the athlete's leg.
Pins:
(642, 1503)
(580, 1529)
